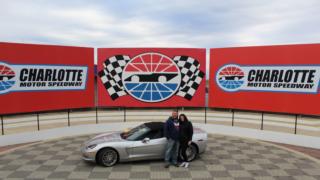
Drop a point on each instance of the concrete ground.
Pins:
(315, 153)
(227, 157)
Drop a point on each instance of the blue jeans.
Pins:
(172, 151)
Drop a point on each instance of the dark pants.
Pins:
(184, 145)
(172, 151)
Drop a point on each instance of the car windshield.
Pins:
(135, 133)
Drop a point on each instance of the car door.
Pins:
(150, 149)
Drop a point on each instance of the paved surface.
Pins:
(226, 158)
(313, 152)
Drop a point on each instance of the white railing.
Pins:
(293, 124)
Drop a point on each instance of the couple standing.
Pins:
(178, 132)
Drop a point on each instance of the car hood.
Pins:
(197, 130)
(106, 137)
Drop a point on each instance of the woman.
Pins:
(185, 138)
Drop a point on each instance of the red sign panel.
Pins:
(151, 77)
(45, 77)
(269, 78)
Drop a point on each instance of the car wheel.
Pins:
(107, 157)
(162, 79)
(191, 152)
(135, 79)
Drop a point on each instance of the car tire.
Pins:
(192, 152)
(162, 79)
(107, 157)
(135, 79)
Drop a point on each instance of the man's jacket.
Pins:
(170, 131)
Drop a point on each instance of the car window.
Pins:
(138, 133)
(154, 134)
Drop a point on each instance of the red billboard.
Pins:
(268, 78)
(45, 77)
(151, 77)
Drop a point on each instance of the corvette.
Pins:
(144, 142)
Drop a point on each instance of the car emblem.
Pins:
(230, 78)
(6, 77)
(151, 77)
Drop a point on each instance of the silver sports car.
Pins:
(140, 143)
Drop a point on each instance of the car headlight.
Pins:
(91, 146)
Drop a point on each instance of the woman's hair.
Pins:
(185, 117)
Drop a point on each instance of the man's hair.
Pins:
(175, 110)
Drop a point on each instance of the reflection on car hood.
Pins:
(197, 130)
(106, 137)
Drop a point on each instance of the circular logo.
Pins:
(151, 77)
(6, 78)
(230, 77)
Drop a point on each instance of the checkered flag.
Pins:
(191, 76)
(111, 75)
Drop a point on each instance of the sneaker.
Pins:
(176, 165)
(167, 165)
(186, 165)
(182, 164)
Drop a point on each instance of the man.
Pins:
(171, 132)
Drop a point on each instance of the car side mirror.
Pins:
(145, 140)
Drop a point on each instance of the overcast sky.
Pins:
(160, 23)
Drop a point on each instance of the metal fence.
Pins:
(28, 122)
